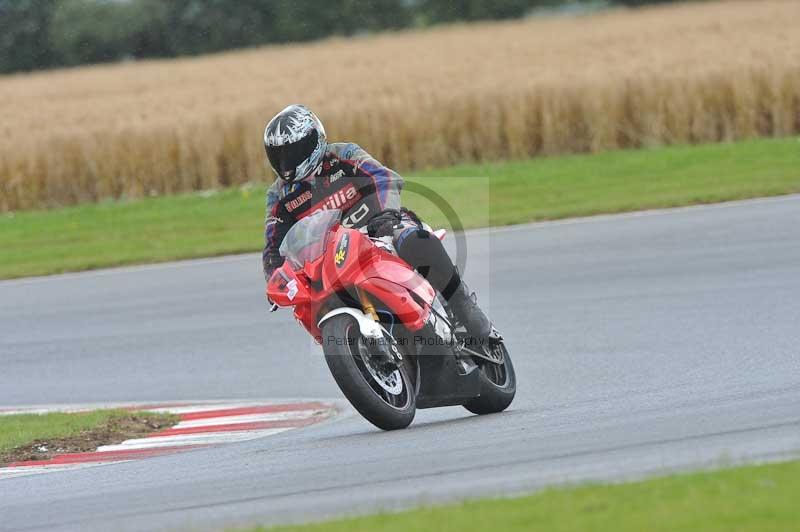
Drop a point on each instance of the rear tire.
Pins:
(349, 367)
(498, 386)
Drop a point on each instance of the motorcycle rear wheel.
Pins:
(498, 385)
(388, 401)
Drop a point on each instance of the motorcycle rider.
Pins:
(313, 174)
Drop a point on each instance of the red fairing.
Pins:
(351, 259)
(307, 301)
(286, 288)
(387, 277)
(396, 297)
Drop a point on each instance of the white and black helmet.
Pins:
(295, 142)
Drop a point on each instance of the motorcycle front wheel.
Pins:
(387, 399)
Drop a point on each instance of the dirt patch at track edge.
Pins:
(116, 429)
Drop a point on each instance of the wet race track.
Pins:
(642, 343)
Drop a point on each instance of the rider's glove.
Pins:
(383, 223)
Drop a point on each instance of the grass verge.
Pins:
(754, 498)
(40, 436)
(230, 221)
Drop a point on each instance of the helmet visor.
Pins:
(286, 158)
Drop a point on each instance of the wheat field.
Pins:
(689, 73)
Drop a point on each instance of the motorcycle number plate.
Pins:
(291, 289)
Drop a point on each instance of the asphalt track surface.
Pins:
(643, 344)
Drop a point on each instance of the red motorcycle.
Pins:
(388, 337)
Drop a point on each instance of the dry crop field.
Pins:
(626, 78)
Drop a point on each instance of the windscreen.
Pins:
(305, 241)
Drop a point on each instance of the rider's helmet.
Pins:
(295, 143)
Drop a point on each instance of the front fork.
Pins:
(366, 304)
(386, 353)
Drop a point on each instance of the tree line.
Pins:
(38, 34)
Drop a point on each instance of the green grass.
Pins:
(746, 499)
(20, 429)
(230, 221)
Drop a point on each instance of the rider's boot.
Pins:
(464, 305)
(427, 255)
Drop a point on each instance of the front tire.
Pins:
(498, 384)
(388, 401)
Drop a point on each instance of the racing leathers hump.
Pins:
(349, 179)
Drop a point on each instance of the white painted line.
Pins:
(519, 227)
(67, 409)
(599, 218)
(140, 268)
(152, 406)
(13, 472)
